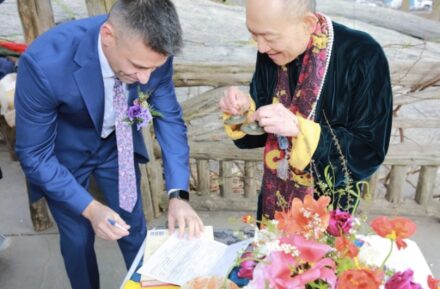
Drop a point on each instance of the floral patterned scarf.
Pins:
(303, 103)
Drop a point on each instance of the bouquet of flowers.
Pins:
(310, 245)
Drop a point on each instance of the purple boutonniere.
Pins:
(141, 113)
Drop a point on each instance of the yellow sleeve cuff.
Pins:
(233, 131)
(305, 144)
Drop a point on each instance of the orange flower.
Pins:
(397, 229)
(247, 219)
(346, 247)
(360, 279)
(433, 283)
(308, 217)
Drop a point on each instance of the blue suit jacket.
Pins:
(60, 106)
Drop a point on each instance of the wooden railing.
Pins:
(400, 157)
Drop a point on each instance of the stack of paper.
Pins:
(178, 260)
(155, 238)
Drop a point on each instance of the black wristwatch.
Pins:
(179, 194)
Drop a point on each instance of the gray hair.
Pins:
(155, 21)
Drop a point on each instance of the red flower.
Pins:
(339, 222)
(433, 283)
(346, 247)
(396, 229)
(247, 266)
(360, 279)
(402, 280)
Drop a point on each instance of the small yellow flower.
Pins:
(319, 42)
(392, 235)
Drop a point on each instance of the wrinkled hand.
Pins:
(98, 215)
(234, 101)
(181, 213)
(277, 119)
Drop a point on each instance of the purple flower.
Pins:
(247, 266)
(402, 280)
(339, 221)
(146, 115)
(134, 112)
(143, 118)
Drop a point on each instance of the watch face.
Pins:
(184, 195)
(181, 194)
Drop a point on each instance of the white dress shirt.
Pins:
(108, 125)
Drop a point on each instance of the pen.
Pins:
(113, 223)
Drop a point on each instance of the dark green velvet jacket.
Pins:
(356, 100)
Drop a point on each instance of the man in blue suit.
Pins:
(66, 126)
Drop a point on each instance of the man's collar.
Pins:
(106, 70)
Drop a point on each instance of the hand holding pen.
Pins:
(106, 223)
(116, 224)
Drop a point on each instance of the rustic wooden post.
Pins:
(250, 186)
(154, 173)
(405, 5)
(226, 179)
(9, 135)
(203, 177)
(146, 194)
(435, 13)
(36, 17)
(96, 7)
(425, 185)
(397, 182)
(39, 213)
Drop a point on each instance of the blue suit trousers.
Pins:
(76, 233)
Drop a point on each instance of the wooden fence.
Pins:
(37, 17)
(400, 158)
(424, 158)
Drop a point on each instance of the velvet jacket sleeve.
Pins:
(355, 110)
(171, 131)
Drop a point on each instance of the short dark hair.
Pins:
(155, 21)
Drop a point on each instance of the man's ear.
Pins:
(310, 20)
(108, 34)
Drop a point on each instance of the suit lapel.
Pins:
(89, 76)
(132, 92)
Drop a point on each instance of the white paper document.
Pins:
(179, 260)
(157, 237)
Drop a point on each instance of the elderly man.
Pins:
(322, 94)
(76, 85)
